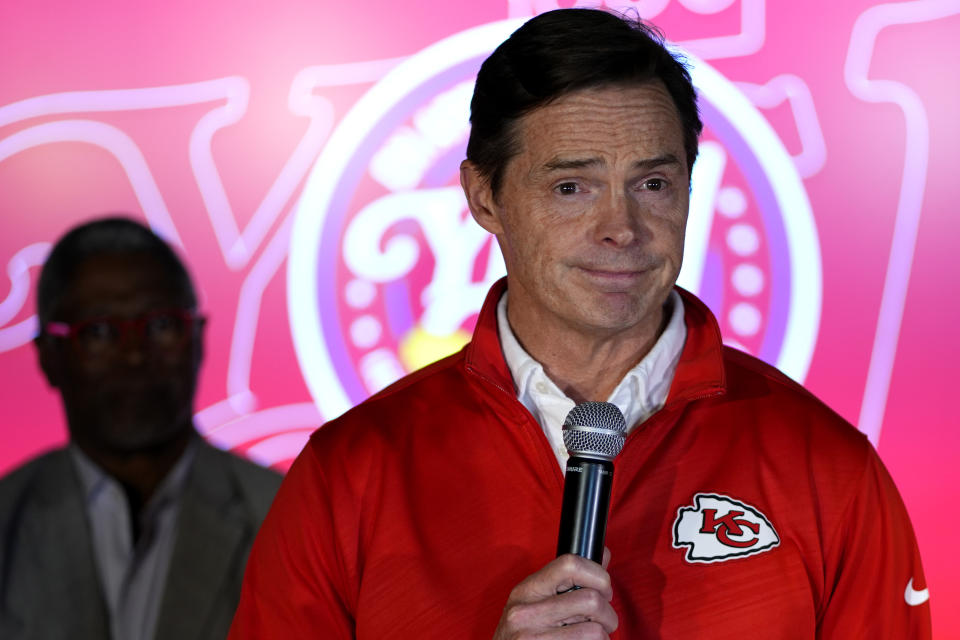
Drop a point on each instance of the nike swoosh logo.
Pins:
(914, 597)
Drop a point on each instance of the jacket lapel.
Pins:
(56, 542)
(208, 552)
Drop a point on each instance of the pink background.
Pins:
(218, 156)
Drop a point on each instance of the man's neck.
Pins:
(584, 365)
(141, 472)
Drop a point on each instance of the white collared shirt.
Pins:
(132, 576)
(641, 393)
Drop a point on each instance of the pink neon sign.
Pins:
(823, 240)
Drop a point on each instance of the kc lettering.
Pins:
(718, 528)
(729, 524)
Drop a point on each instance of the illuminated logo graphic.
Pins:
(717, 528)
(387, 269)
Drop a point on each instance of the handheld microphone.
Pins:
(593, 434)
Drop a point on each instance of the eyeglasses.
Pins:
(162, 330)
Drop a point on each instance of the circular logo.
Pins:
(388, 271)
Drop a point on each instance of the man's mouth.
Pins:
(614, 277)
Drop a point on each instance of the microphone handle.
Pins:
(586, 503)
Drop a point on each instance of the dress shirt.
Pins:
(641, 393)
(132, 575)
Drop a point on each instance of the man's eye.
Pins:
(97, 332)
(162, 323)
(654, 184)
(567, 188)
(164, 328)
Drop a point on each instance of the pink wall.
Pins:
(821, 238)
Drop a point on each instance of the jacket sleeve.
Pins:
(294, 585)
(875, 587)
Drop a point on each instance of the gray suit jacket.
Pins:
(49, 587)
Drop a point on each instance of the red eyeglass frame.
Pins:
(69, 330)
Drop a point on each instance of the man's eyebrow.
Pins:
(572, 163)
(560, 164)
(650, 163)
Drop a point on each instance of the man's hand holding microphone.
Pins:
(570, 596)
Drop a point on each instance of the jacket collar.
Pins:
(57, 509)
(209, 542)
(483, 355)
(699, 373)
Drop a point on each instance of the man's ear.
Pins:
(480, 198)
(49, 358)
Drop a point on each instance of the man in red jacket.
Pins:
(742, 506)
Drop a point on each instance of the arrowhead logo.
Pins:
(718, 528)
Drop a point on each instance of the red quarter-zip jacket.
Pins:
(744, 508)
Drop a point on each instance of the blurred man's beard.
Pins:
(131, 421)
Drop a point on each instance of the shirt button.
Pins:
(541, 387)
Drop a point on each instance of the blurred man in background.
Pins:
(137, 529)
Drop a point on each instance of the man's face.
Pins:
(592, 211)
(136, 395)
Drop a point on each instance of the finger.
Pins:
(606, 558)
(589, 606)
(570, 571)
(572, 609)
(582, 631)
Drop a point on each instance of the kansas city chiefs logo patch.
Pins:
(718, 528)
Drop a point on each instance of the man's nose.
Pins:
(619, 221)
(132, 345)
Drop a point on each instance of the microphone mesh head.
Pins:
(594, 430)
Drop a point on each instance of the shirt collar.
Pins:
(94, 479)
(640, 394)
